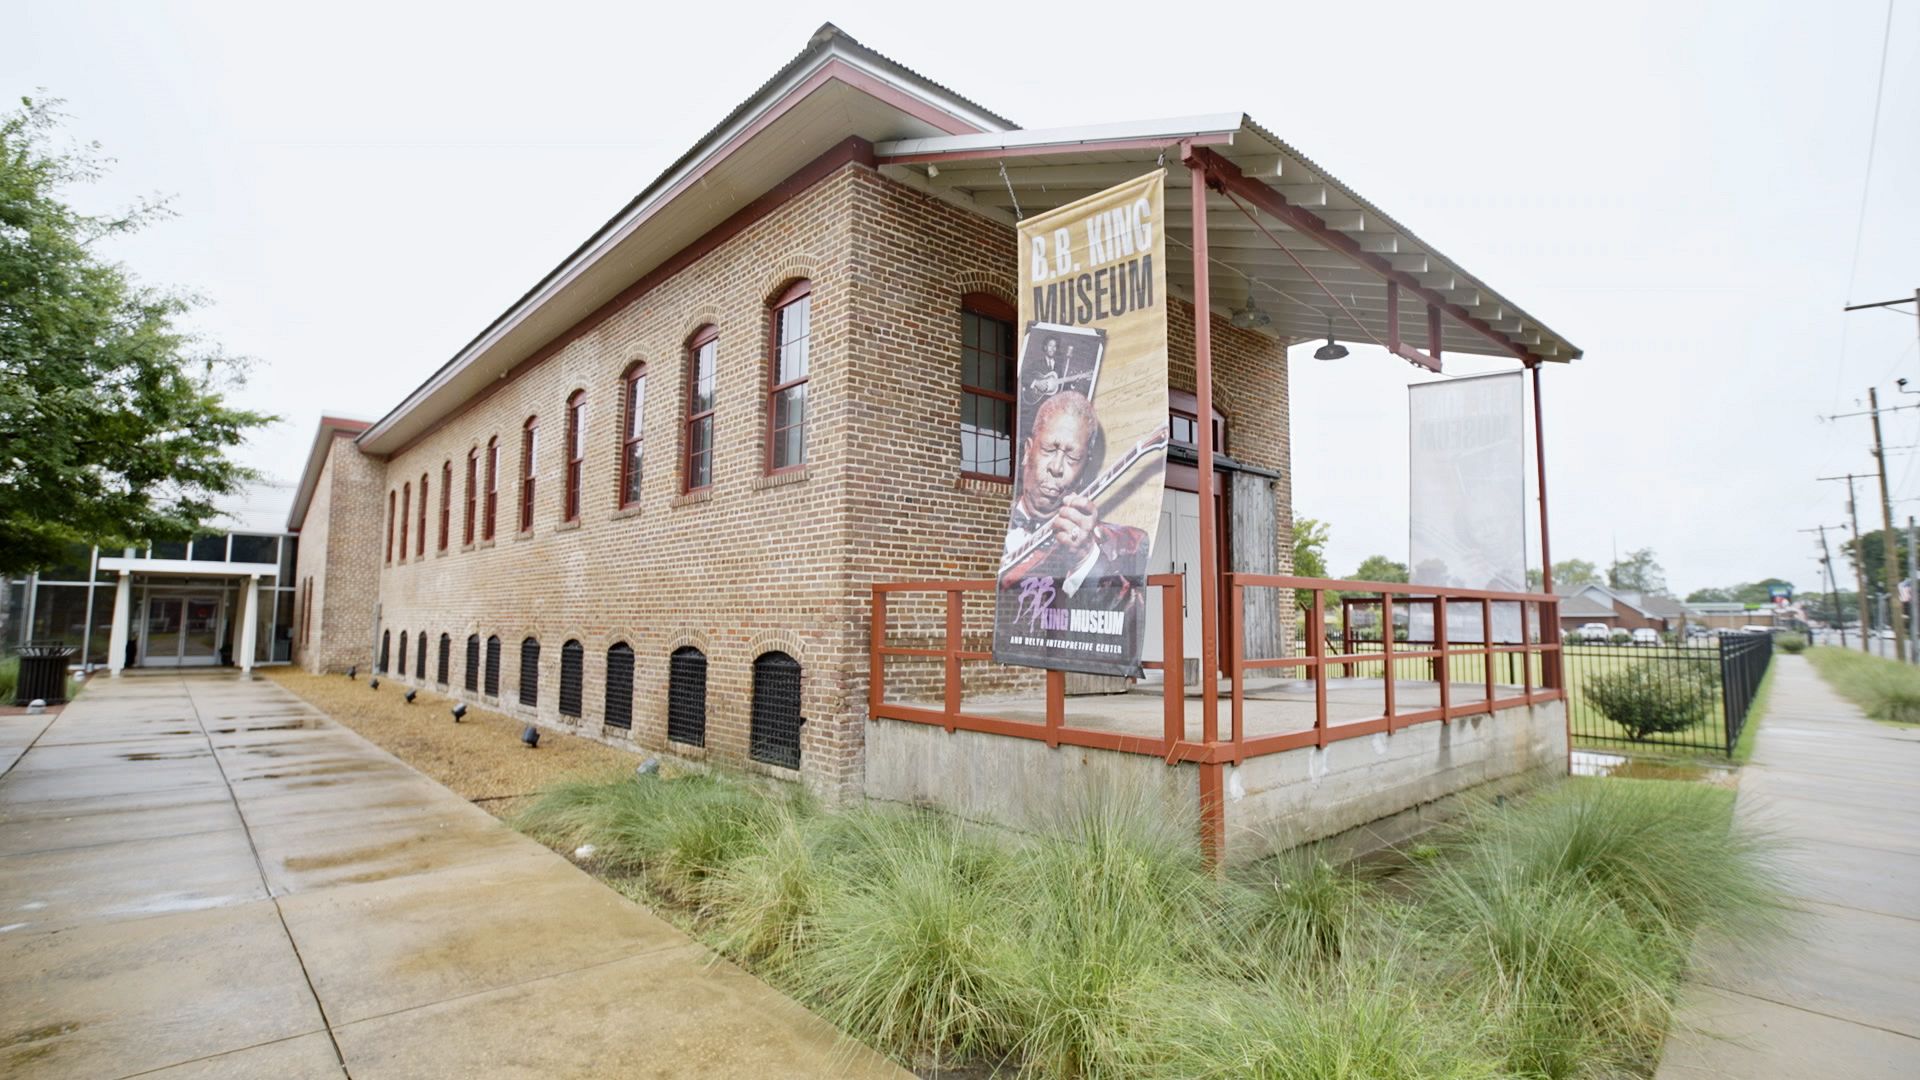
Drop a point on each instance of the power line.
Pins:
(1873, 142)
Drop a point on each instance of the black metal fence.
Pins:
(1693, 696)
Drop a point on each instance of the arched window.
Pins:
(446, 501)
(390, 498)
(491, 687)
(406, 515)
(473, 493)
(787, 379)
(403, 652)
(386, 649)
(633, 399)
(619, 711)
(697, 470)
(529, 672)
(775, 734)
(420, 542)
(446, 654)
(576, 452)
(492, 514)
(986, 386)
(572, 669)
(529, 455)
(687, 696)
(473, 663)
(420, 656)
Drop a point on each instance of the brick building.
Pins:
(650, 502)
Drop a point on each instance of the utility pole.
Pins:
(1914, 300)
(1833, 589)
(1859, 559)
(1913, 593)
(1886, 517)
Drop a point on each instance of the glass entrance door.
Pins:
(165, 631)
(181, 630)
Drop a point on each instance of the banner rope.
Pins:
(1017, 215)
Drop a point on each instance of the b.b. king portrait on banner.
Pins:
(1091, 434)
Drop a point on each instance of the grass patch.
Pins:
(1756, 712)
(1886, 690)
(1544, 938)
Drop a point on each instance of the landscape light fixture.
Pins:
(1332, 350)
(374, 682)
(353, 672)
(459, 711)
(411, 694)
(531, 736)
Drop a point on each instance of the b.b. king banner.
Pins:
(1090, 433)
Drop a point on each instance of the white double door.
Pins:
(1176, 550)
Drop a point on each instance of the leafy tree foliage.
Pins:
(1379, 568)
(1751, 592)
(114, 427)
(1310, 556)
(1639, 572)
(1568, 572)
(1875, 545)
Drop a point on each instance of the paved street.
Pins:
(205, 877)
(1842, 999)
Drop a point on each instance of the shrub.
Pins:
(1621, 637)
(9, 678)
(1791, 644)
(1651, 697)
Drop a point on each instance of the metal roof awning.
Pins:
(187, 568)
(1282, 232)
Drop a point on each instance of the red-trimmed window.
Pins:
(420, 541)
(406, 515)
(390, 498)
(632, 435)
(787, 379)
(446, 501)
(702, 349)
(529, 455)
(576, 451)
(493, 489)
(473, 495)
(986, 387)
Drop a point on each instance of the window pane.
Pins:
(792, 336)
(703, 378)
(205, 549)
(170, 549)
(700, 461)
(632, 492)
(636, 402)
(255, 549)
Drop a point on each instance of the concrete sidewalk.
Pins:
(1842, 999)
(202, 876)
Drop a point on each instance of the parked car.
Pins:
(1646, 635)
(1594, 631)
(1755, 628)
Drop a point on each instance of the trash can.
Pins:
(43, 674)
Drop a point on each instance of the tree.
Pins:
(1379, 568)
(1875, 543)
(1710, 596)
(1309, 558)
(1568, 573)
(1640, 572)
(114, 427)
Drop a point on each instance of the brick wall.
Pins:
(756, 563)
(339, 554)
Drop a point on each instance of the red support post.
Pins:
(1386, 651)
(1213, 812)
(877, 665)
(1443, 663)
(1056, 705)
(1319, 618)
(953, 654)
(1173, 664)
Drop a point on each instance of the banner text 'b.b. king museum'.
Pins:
(1090, 434)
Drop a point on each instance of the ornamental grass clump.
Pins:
(1292, 911)
(1884, 689)
(913, 952)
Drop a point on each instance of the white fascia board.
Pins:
(187, 567)
(1170, 130)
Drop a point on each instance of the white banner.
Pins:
(1468, 502)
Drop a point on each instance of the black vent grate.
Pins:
(572, 660)
(473, 662)
(529, 672)
(446, 654)
(619, 712)
(687, 697)
(776, 710)
(492, 688)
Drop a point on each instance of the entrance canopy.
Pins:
(1293, 251)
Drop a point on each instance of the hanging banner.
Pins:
(1468, 503)
(1090, 433)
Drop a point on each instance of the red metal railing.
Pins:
(1172, 744)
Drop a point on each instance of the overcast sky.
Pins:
(1674, 187)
